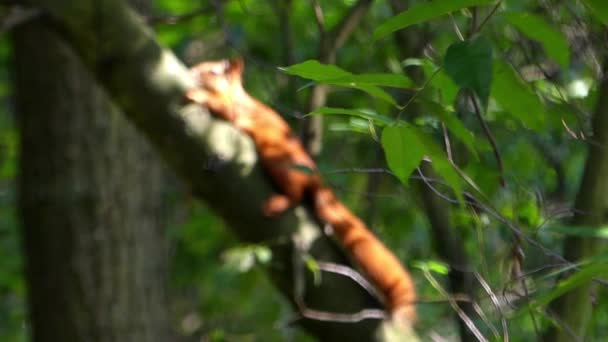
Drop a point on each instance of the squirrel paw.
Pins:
(276, 205)
(197, 96)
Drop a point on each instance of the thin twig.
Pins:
(495, 303)
(415, 95)
(477, 308)
(490, 136)
(306, 312)
(487, 208)
(487, 18)
(350, 273)
(325, 316)
(463, 316)
(456, 28)
(446, 141)
(329, 43)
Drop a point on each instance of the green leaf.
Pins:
(376, 92)
(537, 28)
(313, 267)
(315, 71)
(469, 64)
(432, 265)
(447, 89)
(577, 279)
(348, 127)
(516, 97)
(378, 119)
(582, 231)
(263, 254)
(405, 146)
(452, 122)
(239, 259)
(243, 258)
(423, 12)
(331, 74)
(598, 8)
(403, 150)
(441, 164)
(382, 80)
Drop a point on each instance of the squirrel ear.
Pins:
(236, 66)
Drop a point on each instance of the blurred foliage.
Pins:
(12, 287)
(533, 68)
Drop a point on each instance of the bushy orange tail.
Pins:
(376, 261)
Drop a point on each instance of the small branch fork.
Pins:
(330, 42)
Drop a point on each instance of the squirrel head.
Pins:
(219, 76)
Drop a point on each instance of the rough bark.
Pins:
(90, 203)
(573, 310)
(218, 162)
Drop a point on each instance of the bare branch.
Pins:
(319, 17)
(490, 136)
(463, 316)
(340, 33)
(18, 15)
(330, 42)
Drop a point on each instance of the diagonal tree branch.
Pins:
(218, 162)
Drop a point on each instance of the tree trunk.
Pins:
(574, 309)
(89, 200)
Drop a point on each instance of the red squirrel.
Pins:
(295, 175)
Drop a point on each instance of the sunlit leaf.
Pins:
(331, 74)
(403, 150)
(239, 259)
(263, 254)
(313, 70)
(432, 265)
(243, 258)
(313, 267)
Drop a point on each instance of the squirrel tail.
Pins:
(378, 263)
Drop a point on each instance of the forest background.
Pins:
(469, 134)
